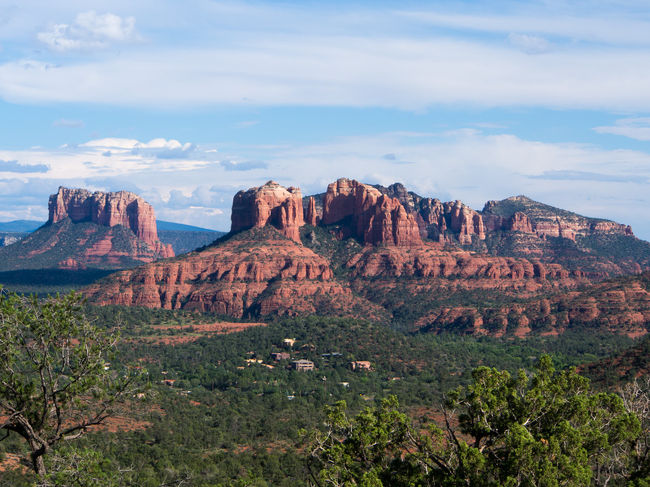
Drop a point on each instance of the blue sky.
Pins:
(185, 103)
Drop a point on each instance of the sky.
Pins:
(186, 103)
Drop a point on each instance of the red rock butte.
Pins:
(270, 204)
(109, 210)
(376, 217)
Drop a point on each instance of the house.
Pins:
(277, 356)
(360, 365)
(169, 382)
(331, 354)
(302, 364)
(289, 342)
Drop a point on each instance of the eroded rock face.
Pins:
(519, 222)
(465, 221)
(311, 216)
(255, 273)
(373, 217)
(621, 306)
(270, 204)
(546, 221)
(109, 210)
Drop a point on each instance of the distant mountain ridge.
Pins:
(182, 227)
(20, 226)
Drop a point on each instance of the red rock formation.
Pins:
(257, 272)
(376, 217)
(465, 221)
(269, 204)
(432, 261)
(109, 209)
(519, 222)
(311, 217)
(620, 306)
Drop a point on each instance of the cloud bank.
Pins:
(463, 164)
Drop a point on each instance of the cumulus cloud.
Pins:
(633, 128)
(164, 149)
(89, 30)
(159, 148)
(16, 167)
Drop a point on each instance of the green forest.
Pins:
(219, 410)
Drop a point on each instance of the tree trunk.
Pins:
(37, 457)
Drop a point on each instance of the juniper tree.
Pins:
(54, 379)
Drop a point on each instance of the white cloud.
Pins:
(90, 30)
(633, 128)
(159, 148)
(342, 71)
(614, 25)
(529, 44)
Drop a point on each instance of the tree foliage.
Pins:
(55, 381)
(501, 430)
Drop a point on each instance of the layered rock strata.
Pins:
(269, 204)
(369, 215)
(108, 210)
(439, 221)
(620, 306)
(258, 272)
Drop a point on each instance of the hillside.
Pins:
(256, 272)
(68, 245)
(184, 241)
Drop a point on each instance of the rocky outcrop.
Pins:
(270, 204)
(512, 284)
(311, 217)
(465, 222)
(369, 215)
(456, 222)
(519, 222)
(89, 231)
(520, 213)
(620, 306)
(256, 272)
(430, 261)
(109, 210)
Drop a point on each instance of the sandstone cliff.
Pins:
(520, 213)
(394, 252)
(369, 215)
(89, 231)
(270, 204)
(256, 272)
(618, 306)
(441, 221)
(109, 210)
